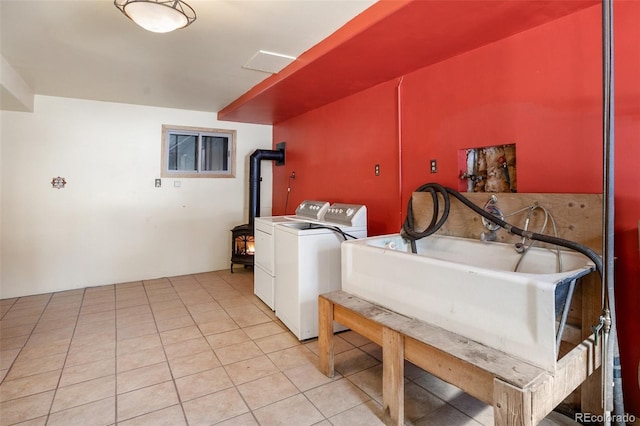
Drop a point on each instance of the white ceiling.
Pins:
(88, 49)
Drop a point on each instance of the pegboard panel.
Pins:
(578, 217)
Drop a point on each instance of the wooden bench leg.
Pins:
(393, 377)
(511, 405)
(325, 336)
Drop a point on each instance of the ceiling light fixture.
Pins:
(159, 16)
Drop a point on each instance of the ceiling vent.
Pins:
(268, 62)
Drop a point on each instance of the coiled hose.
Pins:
(410, 234)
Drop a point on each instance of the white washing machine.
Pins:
(264, 254)
(308, 263)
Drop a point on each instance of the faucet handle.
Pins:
(493, 199)
(494, 210)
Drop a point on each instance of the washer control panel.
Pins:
(315, 210)
(347, 214)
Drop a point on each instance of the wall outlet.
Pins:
(158, 183)
(177, 184)
(434, 166)
(377, 170)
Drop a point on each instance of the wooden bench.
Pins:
(520, 393)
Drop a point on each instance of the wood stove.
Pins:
(242, 237)
(242, 246)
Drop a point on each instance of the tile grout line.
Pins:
(23, 347)
(301, 392)
(55, 391)
(115, 350)
(164, 351)
(221, 365)
(15, 300)
(239, 327)
(235, 387)
(30, 333)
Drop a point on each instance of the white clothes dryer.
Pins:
(308, 263)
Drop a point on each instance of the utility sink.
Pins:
(469, 287)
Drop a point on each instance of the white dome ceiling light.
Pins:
(158, 16)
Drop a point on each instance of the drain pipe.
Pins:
(399, 118)
(255, 159)
(612, 377)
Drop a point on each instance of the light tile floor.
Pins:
(198, 350)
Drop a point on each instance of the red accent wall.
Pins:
(334, 150)
(541, 89)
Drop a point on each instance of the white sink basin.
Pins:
(467, 287)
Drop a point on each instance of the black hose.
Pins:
(408, 232)
(335, 229)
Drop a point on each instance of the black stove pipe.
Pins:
(258, 155)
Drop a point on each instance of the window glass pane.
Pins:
(198, 152)
(183, 152)
(214, 154)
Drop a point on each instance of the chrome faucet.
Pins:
(491, 207)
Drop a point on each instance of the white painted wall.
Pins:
(110, 224)
(15, 93)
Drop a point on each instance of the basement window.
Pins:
(198, 152)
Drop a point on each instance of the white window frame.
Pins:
(198, 131)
